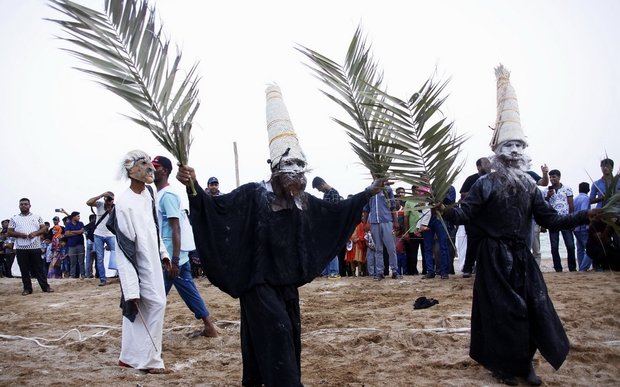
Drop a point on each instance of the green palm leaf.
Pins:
(125, 52)
(353, 87)
(426, 147)
(610, 212)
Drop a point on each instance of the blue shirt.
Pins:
(76, 240)
(581, 202)
(380, 206)
(599, 188)
(170, 207)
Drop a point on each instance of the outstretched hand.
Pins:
(377, 185)
(595, 214)
(186, 174)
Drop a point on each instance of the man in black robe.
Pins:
(512, 314)
(261, 247)
(262, 241)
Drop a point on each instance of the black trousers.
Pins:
(271, 336)
(411, 247)
(31, 264)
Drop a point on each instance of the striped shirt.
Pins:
(26, 224)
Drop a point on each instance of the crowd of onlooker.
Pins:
(392, 234)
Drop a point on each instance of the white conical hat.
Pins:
(508, 122)
(282, 137)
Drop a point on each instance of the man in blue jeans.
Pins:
(332, 271)
(560, 197)
(178, 272)
(103, 237)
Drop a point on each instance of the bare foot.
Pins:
(206, 332)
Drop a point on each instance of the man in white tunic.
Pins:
(140, 257)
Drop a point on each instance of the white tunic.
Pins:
(135, 219)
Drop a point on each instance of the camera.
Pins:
(58, 210)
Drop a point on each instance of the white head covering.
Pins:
(508, 122)
(283, 143)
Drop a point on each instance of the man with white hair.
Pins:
(139, 259)
(262, 241)
(512, 314)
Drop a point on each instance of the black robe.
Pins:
(245, 243)
(512, 314)
(262, 256)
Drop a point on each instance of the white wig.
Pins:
(129, 160)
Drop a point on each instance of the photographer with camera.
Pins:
(103, 237)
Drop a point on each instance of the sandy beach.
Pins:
(356, 332)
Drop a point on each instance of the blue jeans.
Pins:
(436, 228)
(569, 242)
(332, 268)
(110, 241)
(401, 258)
(582, 257)
(382, 235)
(184, 284)
(90, 247)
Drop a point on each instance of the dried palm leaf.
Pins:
(353, 87)
(126, 53)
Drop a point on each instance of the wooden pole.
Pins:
(236, 162)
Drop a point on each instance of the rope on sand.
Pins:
(353, 330)
(80, 336)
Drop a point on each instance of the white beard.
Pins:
(512, 170)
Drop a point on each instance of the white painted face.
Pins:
(511, 149)
(143, 170)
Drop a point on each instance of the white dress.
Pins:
(135, 219)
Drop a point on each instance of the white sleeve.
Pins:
(126, 272)
(424, 219)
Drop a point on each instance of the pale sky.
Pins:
(63, 135)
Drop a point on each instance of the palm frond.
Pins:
(353, 86)
(426, 145)
(124, 50)
(610, 212)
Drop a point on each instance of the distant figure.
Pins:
(382, 216)
(414, 239)
(560, 197)
(27, 229)
(140, 258)
(213, 186)
(582, 202)
(355, 256)
(89, 230)
(74, 231)
(599, 194)
(332, 270)
(7, 249)
(104, 238)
